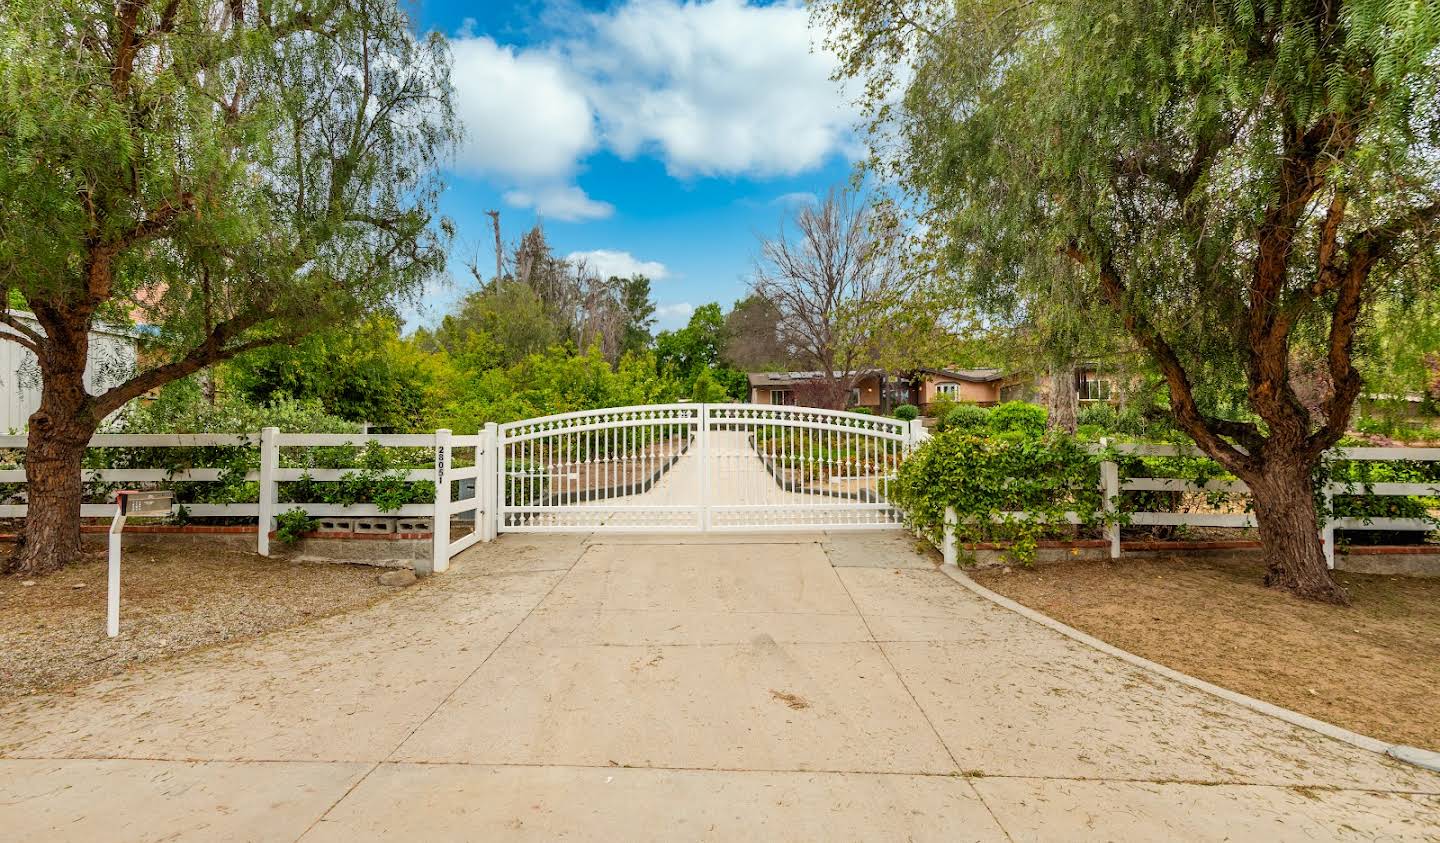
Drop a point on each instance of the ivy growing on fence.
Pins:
(1010, 487)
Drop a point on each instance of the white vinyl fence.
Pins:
(442, 472)
(1113, 485)
(481, 478)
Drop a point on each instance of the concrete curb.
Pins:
(1423, 758)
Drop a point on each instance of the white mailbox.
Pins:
(128, 503)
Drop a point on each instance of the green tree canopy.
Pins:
(362, 373)
(1228, 176)
(233, 176)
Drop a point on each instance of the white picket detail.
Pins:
(699, 467)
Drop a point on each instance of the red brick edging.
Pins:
(229, 530)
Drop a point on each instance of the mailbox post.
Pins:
(128, 503)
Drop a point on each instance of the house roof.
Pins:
(970, 375)
(792, 378)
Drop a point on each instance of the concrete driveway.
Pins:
(801, 687)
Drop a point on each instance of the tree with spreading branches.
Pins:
(837, 285)
(1231, 176)
(232, 174)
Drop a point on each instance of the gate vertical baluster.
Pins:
(780, 444)
(627, 456)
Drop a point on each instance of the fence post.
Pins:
(440, 531)
(1110, 494)
(948, 548)
(488, 483)
(1327, 526)
(269, 463)
(704, 457)
(915, 434)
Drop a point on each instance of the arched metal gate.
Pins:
(698, 467)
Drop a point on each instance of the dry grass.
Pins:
(1373, 668)
(172, 601)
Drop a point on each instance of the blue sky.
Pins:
(652, 135)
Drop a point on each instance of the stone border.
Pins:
(1423, 758)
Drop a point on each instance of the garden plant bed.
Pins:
(172, 601)
(1373, 667)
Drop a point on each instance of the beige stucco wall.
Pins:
(982, 393)
(869, 391)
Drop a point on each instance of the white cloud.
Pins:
(716, 88)
(569, 204)
(607, 263)
(790, 200)
(711, 87)
(526, 117)
(670, 316)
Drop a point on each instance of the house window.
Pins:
(949, 390)
(782, 396)
(1092, 387)
(854, 397)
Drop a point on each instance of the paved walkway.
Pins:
(732, 479)
(806, 687)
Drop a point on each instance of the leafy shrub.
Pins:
(1133, 421)
(967, 417)
(1355, 500)
(707, 389)
(987, 479)
(292, 524)
(374, 474)
(1102, 416)
(864, 411)
(941, 406)
(907, 412)
(181, 408)
(1018, 417)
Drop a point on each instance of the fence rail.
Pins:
(270, 474)
(482, 475)
(1112, 486)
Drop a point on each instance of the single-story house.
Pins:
(978, 386)
(1092, 386)
(882, 392)
(873, 389)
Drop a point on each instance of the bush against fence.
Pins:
(1020, 487)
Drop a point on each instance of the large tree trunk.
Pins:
(1063, 399)
(58, 434)
(1290, 530)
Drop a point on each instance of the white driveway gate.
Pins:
(696, 467)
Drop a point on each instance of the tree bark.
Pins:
(1283, 497)
(1062, 409)
(59, 432)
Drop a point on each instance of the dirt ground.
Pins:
(52, 633)
(1373, 668)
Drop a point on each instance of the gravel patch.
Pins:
(52, 631)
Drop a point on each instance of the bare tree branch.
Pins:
(831, 286)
